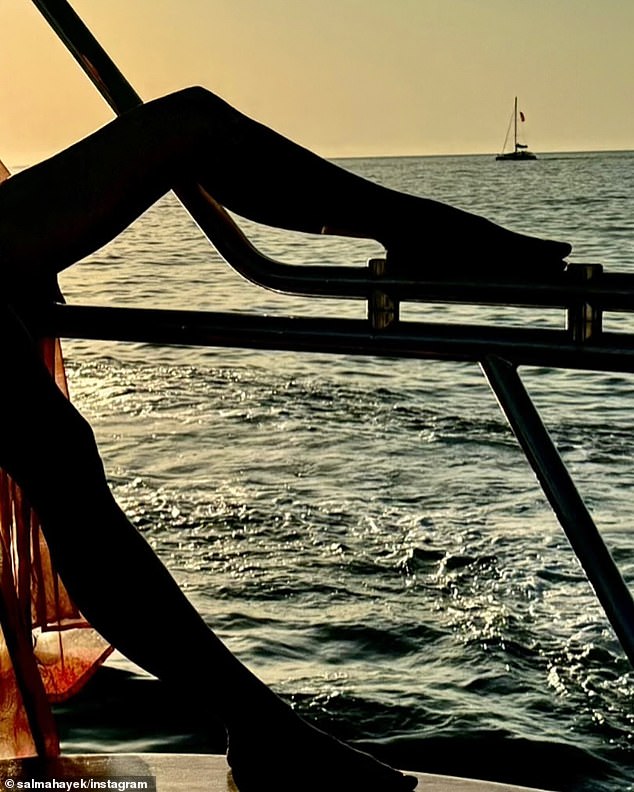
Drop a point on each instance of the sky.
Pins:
(343, 77)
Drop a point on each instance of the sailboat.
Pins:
(520, 151)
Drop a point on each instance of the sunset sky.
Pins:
(345, 77)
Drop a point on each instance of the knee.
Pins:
(197, 107)
(201, 100)
(81, 461)
(52, 451)
(78, 433)
(195, 94)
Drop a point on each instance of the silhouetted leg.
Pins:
(64, 208)
(127, 594)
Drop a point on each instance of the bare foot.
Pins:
(456, 242)
(300, 758)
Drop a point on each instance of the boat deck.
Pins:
(176, 773)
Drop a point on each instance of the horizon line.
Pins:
(481, 154)
(14, 167)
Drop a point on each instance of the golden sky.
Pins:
(344, 77)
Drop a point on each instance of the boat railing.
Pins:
(583, 293)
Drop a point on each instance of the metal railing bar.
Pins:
(459, 342)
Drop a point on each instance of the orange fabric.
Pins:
(47, 649)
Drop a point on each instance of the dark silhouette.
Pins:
(61, 210)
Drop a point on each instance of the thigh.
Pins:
(62, 209)
(55, 213)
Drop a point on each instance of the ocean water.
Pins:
(365, 534)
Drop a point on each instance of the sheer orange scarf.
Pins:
(47, 649)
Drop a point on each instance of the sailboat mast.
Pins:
(515, 125)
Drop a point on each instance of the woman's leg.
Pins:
(127, 594)
(64, 208)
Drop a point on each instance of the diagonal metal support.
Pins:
(564, 498)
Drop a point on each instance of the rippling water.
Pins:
(365, 534)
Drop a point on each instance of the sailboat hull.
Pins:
(520, 156)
